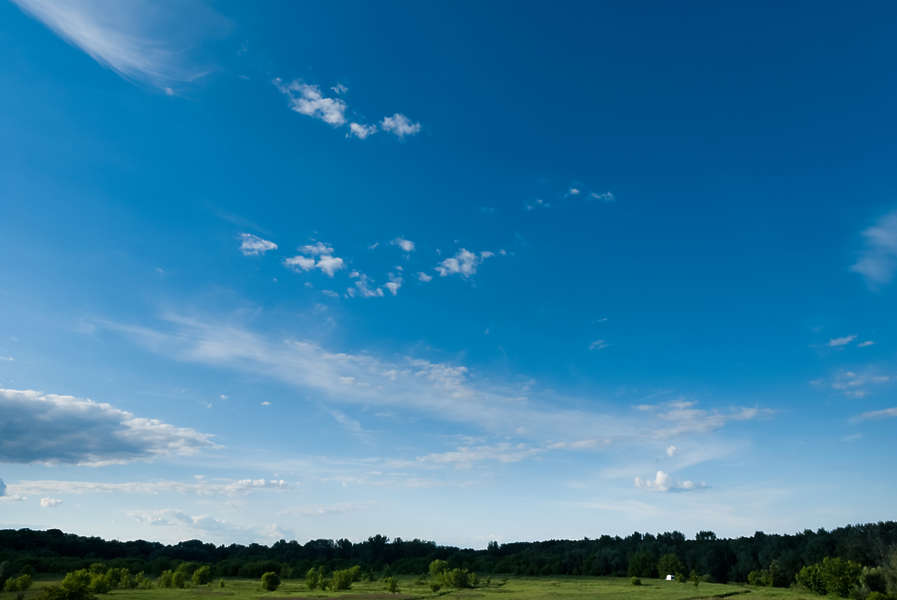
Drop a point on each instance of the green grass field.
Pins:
(501, 588)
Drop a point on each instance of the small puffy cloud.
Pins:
(537, 203)
(363, 287)
(50, 502)
(866, 344)
(339, 89)
(266, 403)
(885, 413)
(406, 245)
(51, 428)
(672, 450)
(598, 345)
(253, 245)
(603, 196)
(574, 191)
(297, 263)
(394, 283)
(361, 131)
(330, 265)
(399, 125)
(316, 249)
(424, 277)
(664, 482)
(307, 99)
(463, 263)
(878, 261)
(326, 262)
(841, 341)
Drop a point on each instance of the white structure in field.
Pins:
(671, 577)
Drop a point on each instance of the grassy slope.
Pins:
(524, 588)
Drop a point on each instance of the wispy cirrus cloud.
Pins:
(198, 487)
(841, 341)
(52, 428)
(443, 390)
(878, 261)
(873, 415)
(157, 44)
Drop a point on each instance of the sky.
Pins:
(453, 271)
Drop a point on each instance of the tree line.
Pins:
(762, 559)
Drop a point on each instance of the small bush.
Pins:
(435, 587)
(270, 581)
(392, 585)
(636, 581)
(179, 579)
(18, 584)
(202, 575)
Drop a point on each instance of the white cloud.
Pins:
(326, 262)
(339, 89)
(330, 265)
(424, 277)
(672, 450)
(50, 428)
(316, 249)
(265, 403)
(139, 39)
(841, 341)
(363, 287)
(465, 456)
(463, 263)
(406, 245)
(50, 502)
(361, 131)
(252, 245)
(399, 125)
(573, 191)
(866, 344)
(604, 196)
(307, 99)
(598, 345)
(856, 385)
(393, 284)
(296, 263)
(444, 390)
(537, 203)
(878, 262)
(884, 413)
(664, 482)
(201, 487)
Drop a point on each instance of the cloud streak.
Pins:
(140, 40)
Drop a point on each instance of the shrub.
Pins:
(17, 584)
(834, 576)
(435, 587)
(99, 584)
(341, 579)
(270, 581)
(636, 581)
(166, 579)
(392, 585)
(314, 577)
(179, 579)
(202, 575)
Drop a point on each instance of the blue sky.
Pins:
(461, 272)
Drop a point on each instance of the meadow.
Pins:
(499, 588)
